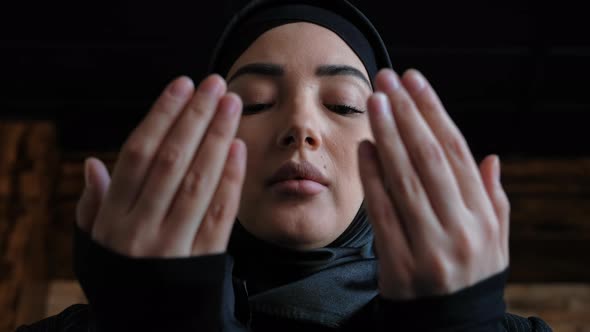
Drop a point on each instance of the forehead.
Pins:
(301, 46)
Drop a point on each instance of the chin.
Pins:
(297, 224)
(297, 231)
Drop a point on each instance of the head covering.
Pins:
(339, 16)
(327, 285)
(324, 286)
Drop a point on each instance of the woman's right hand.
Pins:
(176, 185)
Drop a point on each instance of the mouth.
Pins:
(299, 179)
(297, 187)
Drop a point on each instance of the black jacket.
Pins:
(199, 294)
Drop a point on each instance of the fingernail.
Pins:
(416, 81)
(383, 104)
(230, 107)
(212, 86)
(181, 86)
(391, 81)
(237, 151)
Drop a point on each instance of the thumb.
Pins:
(97, 180)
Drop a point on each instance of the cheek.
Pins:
(345, 160)
(249, 132)
(347, 153)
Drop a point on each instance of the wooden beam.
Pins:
(28, 161)
(549, 227)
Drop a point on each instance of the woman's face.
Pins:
(299, 100)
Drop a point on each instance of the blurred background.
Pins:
(77, 77)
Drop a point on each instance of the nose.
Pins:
(301, 127)
(297, 140)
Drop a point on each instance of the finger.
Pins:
(201, 181)
(215, 230)
(177, 151)
(390, 234)
(137, 152)
(490, 174)
(97, 180)
(450, 138)
(406, 190)
(424, 151)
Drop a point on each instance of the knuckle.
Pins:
(409, 185)
(491, 230)
(429, 101)
(169, 157)
(231, 173)
(134, 245)
(428, 152)
(465, 247)
(164, 107)
(192, 182)
(197, 110)
(439, 273)
(389, 141)
(403, 104)
(457, 146)
(136, 151)
(218, 129)
(216, 211)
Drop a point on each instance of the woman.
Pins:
(400, 232)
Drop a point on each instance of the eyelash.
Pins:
(340, 109)
(254, 108)
(347, 109)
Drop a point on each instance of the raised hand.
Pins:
(441, 224)
(176, 185)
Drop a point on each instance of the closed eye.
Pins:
(254, 108)
(344, 109)
(340, 109)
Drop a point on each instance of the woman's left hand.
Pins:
(441, 224)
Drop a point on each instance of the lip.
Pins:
(298, 178)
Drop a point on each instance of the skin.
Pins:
(441, 222)
(301, 123)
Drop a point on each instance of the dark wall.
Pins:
(513, 74)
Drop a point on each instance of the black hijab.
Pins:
(339, 16)
(325, 285)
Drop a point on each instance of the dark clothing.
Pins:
(76, 319)
(200, 294)
(339, 16)
(256, 286)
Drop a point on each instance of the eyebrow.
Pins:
(274, 70)
(333, 70)
(265, 69)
